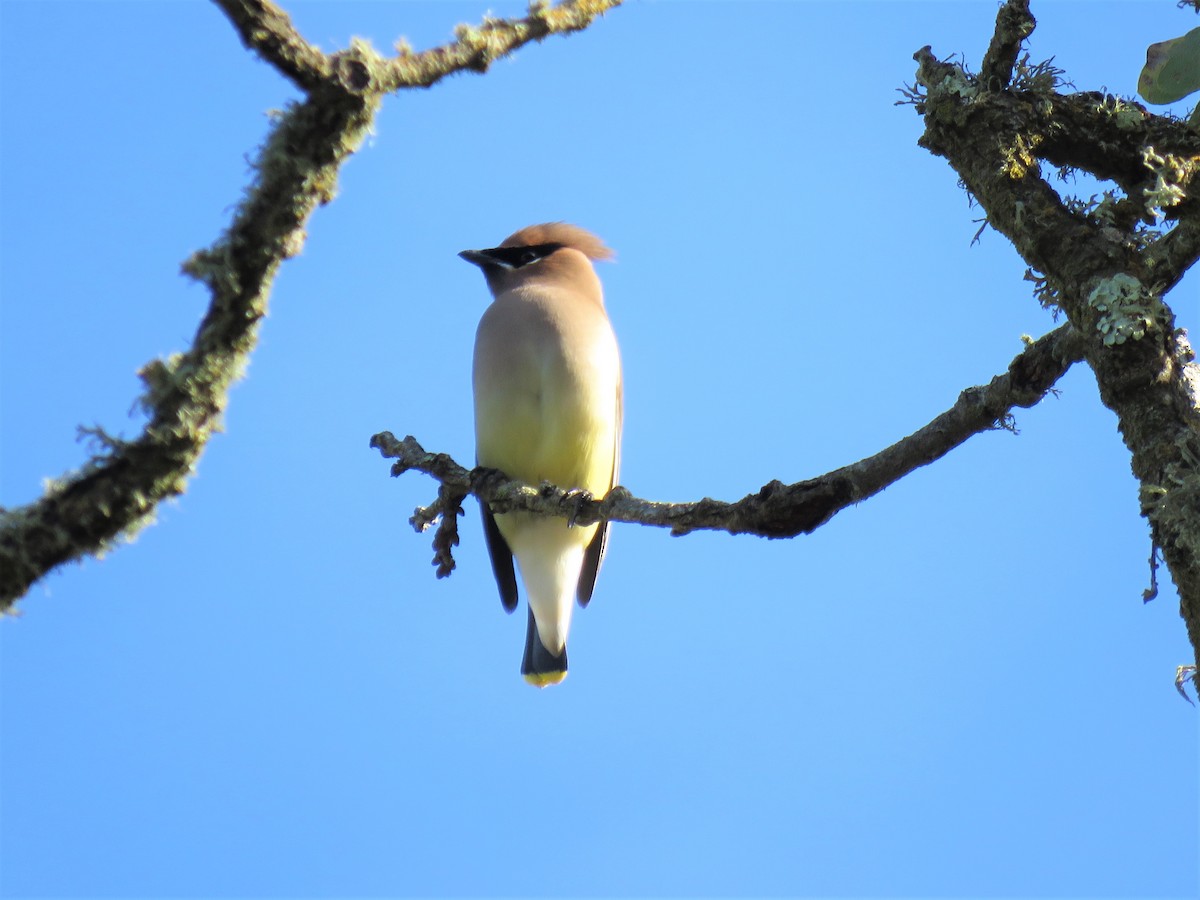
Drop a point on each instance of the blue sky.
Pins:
(953, 690)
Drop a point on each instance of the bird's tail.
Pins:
(539, 666)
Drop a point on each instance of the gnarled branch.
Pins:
(1102, 269)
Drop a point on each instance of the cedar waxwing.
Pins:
(547, 379)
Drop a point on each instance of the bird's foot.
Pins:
(577, 499)
(484, 477)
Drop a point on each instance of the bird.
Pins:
(548, 407)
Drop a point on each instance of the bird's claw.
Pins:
(485, 477)
(577, 498)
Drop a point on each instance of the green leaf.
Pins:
(1172, 69)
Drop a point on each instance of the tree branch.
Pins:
(1014, 23)
(186, 394)
(267, 30)
(477, 47)
(1106, 274)
(117, 491)
(1176, 252)
(775, 511)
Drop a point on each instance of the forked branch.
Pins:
(118, 490)
(1100, 264)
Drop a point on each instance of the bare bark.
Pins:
(776, 510)
(117, 491)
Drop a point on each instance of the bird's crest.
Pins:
(560, 233)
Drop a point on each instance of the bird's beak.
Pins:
(478, 258)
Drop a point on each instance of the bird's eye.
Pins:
(528, 256)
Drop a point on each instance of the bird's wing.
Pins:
(593, 556)
(502, 559)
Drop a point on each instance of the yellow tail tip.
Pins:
(544, 679)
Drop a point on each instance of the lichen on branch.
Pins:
(1097, 265)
